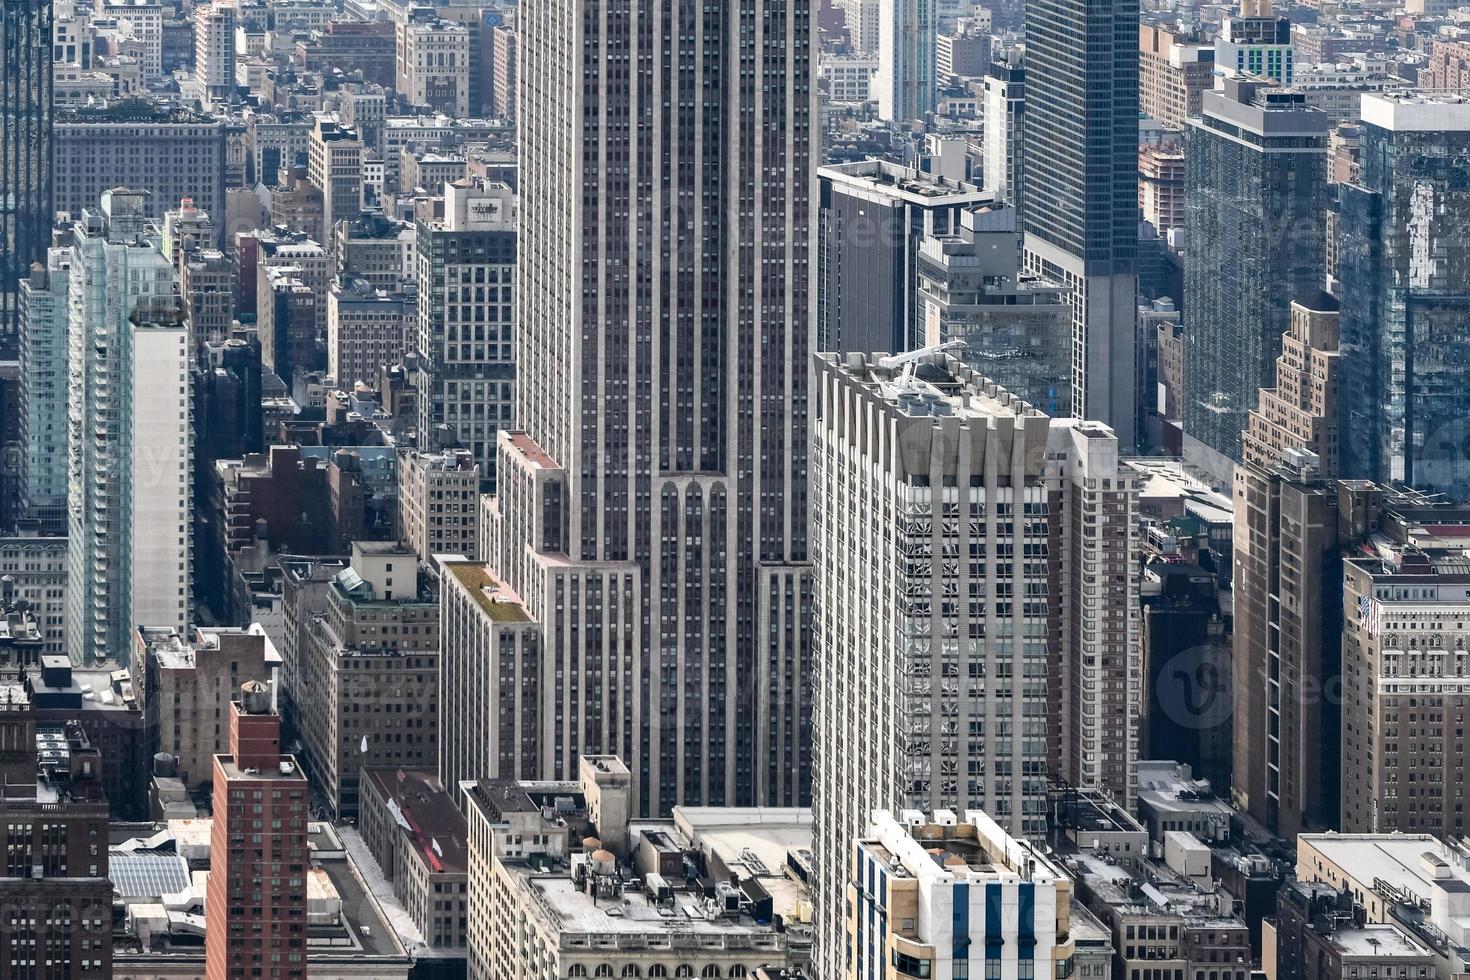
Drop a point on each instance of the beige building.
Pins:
(367, 328)
(562, 885)
(186, 686)
(1161, 185)
(439, 502)
(494, 726)
(1418, 882)
(207, 285)
(1287, 532)
(369, 672)
(420, 842)
(334, 165)
(1301, 411)
(1406, 674)
(37, 567)
(1174, 71)
(434, 66)
(974, 572)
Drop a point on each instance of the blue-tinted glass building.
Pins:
(25, 151)
(1403, 241)
(1254, 208)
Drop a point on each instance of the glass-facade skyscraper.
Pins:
(25, 151)
(1404, 273)
(1255, 196)
(1081, 166)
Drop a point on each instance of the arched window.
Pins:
(603, 970)
(684, 970)
(658, 970)
(576, 970)
(631, 970)
(712, 970)
(737, 970)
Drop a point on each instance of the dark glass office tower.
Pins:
(1404, 272)
(25, 151)
(1254, 201)
(1081, 165)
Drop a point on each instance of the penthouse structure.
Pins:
(930, 895)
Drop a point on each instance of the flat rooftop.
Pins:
(1400, 860)
(938, 385)
(894, 180)
(1379, 940)
(632, 913)
(753, 842)
(274, 775)
(495, 598)
(1416, 111)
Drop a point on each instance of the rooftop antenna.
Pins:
(909, 360)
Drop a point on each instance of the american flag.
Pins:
(1368, 614)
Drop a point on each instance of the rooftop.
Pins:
(754, 843)
(426, 814)
(1416, 864)
(926, 846)
(288, 770)
(887, 180)
(932, 384)
(633, 912)
(530, 451)
(1410, 111)
(496, 599)
(1379, 940)
(132, 111)
(1167, 786)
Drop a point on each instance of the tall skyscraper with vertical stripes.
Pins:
(25, 151)
(1081, 209)
(652, 514)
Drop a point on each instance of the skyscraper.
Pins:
(1405, 275)
(1288, 586)
(874, 215)
(666, 319)
(43, 313)
(905, 83)
(256, 903)
(25, 150)
(214, 50)
(1255, 186)
(334, 155)
(129, 480)
(1005, 122)
(466, 308)
(972, 556)
(1081, 176)
(861, 18)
